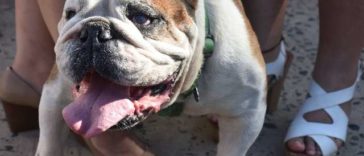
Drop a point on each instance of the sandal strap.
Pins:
(276, 68)
(326, 144)
(329, 102)
(23, 80)
(321, 99)
(16, 90)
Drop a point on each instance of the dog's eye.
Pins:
(70, 13)
(141, 19)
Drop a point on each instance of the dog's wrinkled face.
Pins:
(127, 58)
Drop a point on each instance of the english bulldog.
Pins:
(118, 61)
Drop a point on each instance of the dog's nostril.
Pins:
(104, 35)
(96, 33)
(84, 35)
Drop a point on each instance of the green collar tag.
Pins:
(176, 108)
(208, 49)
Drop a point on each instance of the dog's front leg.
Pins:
(53, 130)
(238, 133)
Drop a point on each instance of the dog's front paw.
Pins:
(46, 150)
(48, 153)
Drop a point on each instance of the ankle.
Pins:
(332, 77)
(271, 55)
(336, 65)
(35, 75)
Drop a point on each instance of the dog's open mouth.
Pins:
(100, 104)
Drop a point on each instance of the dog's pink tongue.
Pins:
(103, 105)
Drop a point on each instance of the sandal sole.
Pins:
(20, 118)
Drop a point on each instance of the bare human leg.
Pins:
(267, 18)
(21, 84)
(51, 13)
(34, 56)
(341, 40)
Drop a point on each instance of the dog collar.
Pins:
(177, 108)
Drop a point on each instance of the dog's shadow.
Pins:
(178, 136)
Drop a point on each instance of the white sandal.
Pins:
(277, 71)
(321, 132)
(276, 68)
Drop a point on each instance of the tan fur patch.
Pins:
(173, 10)
(239, 5)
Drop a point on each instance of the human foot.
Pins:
(34, 75)
(306, 145)
(320, 126)
(20, 101)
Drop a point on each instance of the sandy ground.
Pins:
(186, 136)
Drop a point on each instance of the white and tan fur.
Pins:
(232, 84)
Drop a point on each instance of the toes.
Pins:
(306, 146)
(310, 146)
(296, 145)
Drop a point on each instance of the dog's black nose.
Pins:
(95, 32)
